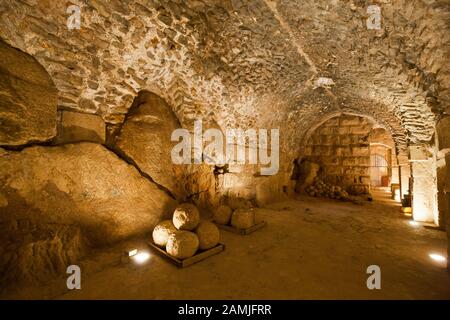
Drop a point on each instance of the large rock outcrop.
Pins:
(28, 99)
(145, 138)
(84, 185)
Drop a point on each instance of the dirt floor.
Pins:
(310, 249)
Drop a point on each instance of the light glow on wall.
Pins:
(397, 195)
(437, 257)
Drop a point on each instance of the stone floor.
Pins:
(311, 249)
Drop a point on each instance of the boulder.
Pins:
(182, 245)
(208, 235)
(82, 184)
(34, 252)
(145, 138)
(243, 218)
(238, 203)
(28, 99)
(162, 232)
(222, 215)
(186, 217)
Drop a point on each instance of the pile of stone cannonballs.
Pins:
(239, 218)
(186, 233)
(322, 189)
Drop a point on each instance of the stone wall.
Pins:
(56, 202)
(245, 181)
(28, 99)
(424, 184)
(76, 127)
(230, 60)
(443, 175)
(404, 175)
(341, 147)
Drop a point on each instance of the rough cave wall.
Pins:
(65, 167)
(60, 195)
(28, 99)
(341, 147)
(274, 50)
(234, 62)
(56, 199)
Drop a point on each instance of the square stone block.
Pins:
(333, 170)
(363, 161)
(343, 130)
(77, 126)
(331, 160)
(359, 130)
(326, 140)
(349, 121)
(327, 130)
(360, 151)
(345, 140)
(349, 161)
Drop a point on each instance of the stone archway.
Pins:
(341, 145)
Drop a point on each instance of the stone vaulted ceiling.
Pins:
(245, 63)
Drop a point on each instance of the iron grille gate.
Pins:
(378, 170)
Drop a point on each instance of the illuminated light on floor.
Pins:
(437, 257)
(141, 257)
(414, 223)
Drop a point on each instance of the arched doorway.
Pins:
(379, 171)
(383, 160)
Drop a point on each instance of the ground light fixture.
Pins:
(136, 255)
(132, 252)
(141, 257)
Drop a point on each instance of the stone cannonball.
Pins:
(162, 232)
(186, 217)
(243, 218)
(182, 245)
(222, 215)
(208, 235)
